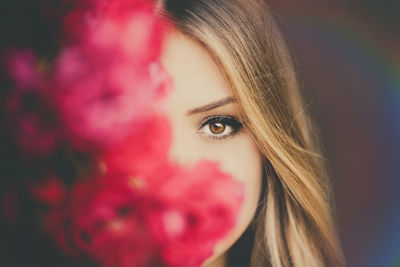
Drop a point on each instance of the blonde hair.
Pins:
(295, 226)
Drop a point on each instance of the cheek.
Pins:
(238, 156)
(245, 165)
(243, 161)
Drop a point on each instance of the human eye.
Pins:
(220, 127)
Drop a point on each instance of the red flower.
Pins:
(21, 68)
(104, 83)
(105, 104)
(143, 152)
(111, 79)
(103, 222)
(185, 210)
(174, 215)
(128, 26)
(196, 207)
(107, 88)
(50, 191)
(33, 122)
(31, 115)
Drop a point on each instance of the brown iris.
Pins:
(217, 128)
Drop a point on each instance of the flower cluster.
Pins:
(102, 96)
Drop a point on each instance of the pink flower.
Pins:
(147, 210)
(21, 67)
(102, 222)
(196, 208)
(111, 79)
(104, 83)
(104, 95)
(139, 216)
(186, 209)
(33, 122)
(128, 26)
(106, 100)
(50, 191)
(143, 152)
(32, 119)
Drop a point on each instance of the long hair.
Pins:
(294, 225)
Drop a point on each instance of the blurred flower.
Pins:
(102, 221)
(162, 211)
(102, 85)
(21, 68)
(141, 153)
(33, 122)
(31, 115)
(111, 79)
(103, 95)
(106, 100)
(196, 207)
(50, 191)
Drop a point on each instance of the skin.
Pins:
(197, 83)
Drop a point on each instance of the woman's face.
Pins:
(205, 125)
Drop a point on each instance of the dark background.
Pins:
(348, 53)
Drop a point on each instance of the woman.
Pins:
(237, 100)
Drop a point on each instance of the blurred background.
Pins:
(348, 53)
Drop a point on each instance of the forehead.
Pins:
(197, 79)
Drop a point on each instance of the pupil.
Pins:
(217, 128)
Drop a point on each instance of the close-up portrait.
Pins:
(199, 133)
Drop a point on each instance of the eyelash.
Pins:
(225, 120)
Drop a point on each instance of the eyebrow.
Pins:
(212, 105)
